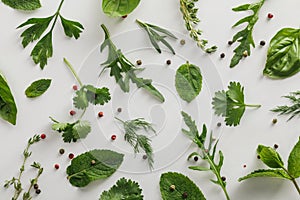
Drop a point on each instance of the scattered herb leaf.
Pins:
(37, 88)
(82, 171)
(245, 36)
(123, 190)
(230, 104)
(118, 8)
(153, 32)
(188, 81)
(23, 4)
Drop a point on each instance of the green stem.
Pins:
(253, 106)
(73, 72)
(120, 120)
(56, 15)
(34, 181)
(293, 180)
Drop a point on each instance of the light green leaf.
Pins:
(37, 88)
(294, 161)
(269, 156)
(82, 129)
(80, 101)
(92, 166)
(273, 173)
(199, 168)
(117, 8)
(23, 4)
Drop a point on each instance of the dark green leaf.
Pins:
(23, 4)
(274, 173)
(283, 59)
(92, 166)
(37, 88)
(8, 108)
(117, 8)
(294, 161)
(188, 81)
(269, 156)
(97, 95)
(199, 168)
(71, 28)
(182, 184)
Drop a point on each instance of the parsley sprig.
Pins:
(138, 141)
(44, 48)
(123, 70)
(87, 94)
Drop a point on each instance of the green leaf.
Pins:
(182, 184)
(117, 8)
(199, 168)
(283, 58)
(191, 124)
(220, 103)
(80, 101)
(269, 156)
(71, 28)
(23, 4)
(93, 165)
(43, 50)
(34, 32)
(294, 161)
(273, 173)
(188, 81)
(37, 88)
(81, 129)
(8, 108)
(97, 95)
(123, 190)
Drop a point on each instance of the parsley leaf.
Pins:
(123, 190)
(123, 70)
(23, 4)
(230, 104)
(244, 37)
(71, 28)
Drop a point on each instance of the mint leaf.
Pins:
(93, 165)
(182, 185)
(23, 4)
(123, 190)
(273, 173)
(294, 161)
(37, 88)
(118, 8)
(188, 81)
(8, 108)
(71, 28)
(269, 156)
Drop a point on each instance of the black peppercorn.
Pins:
(38, 191)
(36, 186)
(223, 178)
(258, 156)
(61, 151)
(196, 158)
(276, 146)
(222, 55)
(168, 62)
(184, 195)
(219, 124)
(230, 42)
(262, 43)
(274, 121)
(138, 62)
(145, 157)
(119, 110)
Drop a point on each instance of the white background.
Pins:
(238, 144)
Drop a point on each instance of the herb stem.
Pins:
(293, 180)
(57, 13)
(32, 182)
(73, 72)
(253, 106)
(119, 120)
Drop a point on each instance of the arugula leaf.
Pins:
(207, 153)
(93, 165)
(123, 190)
(8, 108)
(294, 161)
(230, 104)
(37, 88)
(182, 184)
(71, 28)
(244, 37)
(283, 58)
(273, 173)
(120, 66)
(153, 32)
(23, 4)
(188, 81)
(269, 156)
(117, 8)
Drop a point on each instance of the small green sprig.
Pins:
(157, 34)
(16, 181)
(138, 141)
(189, 12)
(36, 165)
(207, 154)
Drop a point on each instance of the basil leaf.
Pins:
(8, 108)
(274, 173)
(182, 185)
(294, 161)
(93, 165)
(23, 4)
(269, 156)
(115, 8)
(188, 81)
(37, 88)
(283, 58)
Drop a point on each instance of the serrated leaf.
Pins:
(273, 173)
(191, 124)
(123, 190)
(71, 28)
(220, 103)
(188, 81)
(118, 8)
(80, 101)
(269, 156)
(93, 165)
(23, 4)
(294, 161)
(8, 108)
(182, 184)
(81, 129)
(97, 95)
(37, 88)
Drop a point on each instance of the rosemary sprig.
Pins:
(189, 12)
(138, 141)
(292, 110)
(155, 37)
(16, 181)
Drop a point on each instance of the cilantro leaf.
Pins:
(123, 190)
(71, 28)
(81, 129)
(230, 104)
(23, 4)
(80, 101)
(37, 88)
(244, 37)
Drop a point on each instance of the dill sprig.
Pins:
(138, 141)
(291, 110)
